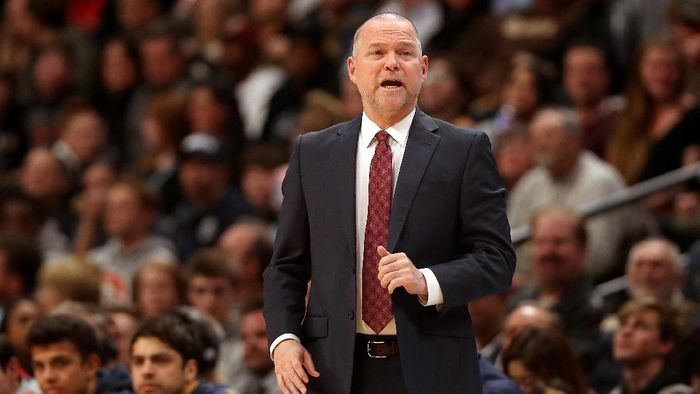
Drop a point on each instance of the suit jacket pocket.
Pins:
(315, 327)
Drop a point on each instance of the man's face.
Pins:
(255, 347)
(638, 340)
(651, 272)
(161, 62)
(60, 369)
(124, 212)
(551, 143)
(211, 295)
(156, 368)
(585, 78)
(556, 254)
(202, 183)
(524, 317)
(388, 68)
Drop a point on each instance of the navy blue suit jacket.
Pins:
(448, 213)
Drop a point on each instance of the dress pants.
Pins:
(376, 375)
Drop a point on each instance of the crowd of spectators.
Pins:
(143, 145)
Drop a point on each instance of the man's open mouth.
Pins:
(391, 84)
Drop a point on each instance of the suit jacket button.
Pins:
(351, 315)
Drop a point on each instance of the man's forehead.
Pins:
(63, 348)
(151, 346)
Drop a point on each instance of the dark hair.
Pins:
(579, 231)
(211, 263)
(63, 327)
(669, 327)
(22, 258)
(252, 305)
(548, 355)
(6, 352)
(174, 330)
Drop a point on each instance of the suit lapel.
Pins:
(420, 147)
(343, 159)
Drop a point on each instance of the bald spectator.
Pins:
(587, 79)
(527, 315)
(560, 283)
(128, 220)
(568, 175)
(644, 346)
(249, 242)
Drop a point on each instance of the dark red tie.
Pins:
(376, 301)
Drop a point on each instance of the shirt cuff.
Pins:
(281, 338)
(434, 290)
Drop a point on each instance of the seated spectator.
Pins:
(90, 204)
(19, 317)
(128, 219)
(560, 283)
(210, 204)
(494, 381)
(157, 288)
(487, 315)
(121, 326)
(540, 360)
(513, 153)
(259, 370)
(249, 242)
(65, 354)
(527, 315)
(69, 279)
(655, 271)
(443, 94)
(258, 178)
(644, 345)
(586, 75)
(569, 176)
(19, 264)
(213, 288)
(10, 369)
(164, 354)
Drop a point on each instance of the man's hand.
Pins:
(397, 270)
(292, 363)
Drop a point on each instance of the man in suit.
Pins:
(390, 276)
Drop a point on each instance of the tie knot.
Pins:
(382, 136)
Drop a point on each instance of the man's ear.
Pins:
(93, 363)
(190, 371)
(351, 68)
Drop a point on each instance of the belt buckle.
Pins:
(369, 349)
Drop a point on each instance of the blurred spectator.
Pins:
(655, 271)
(569, 176)
(213, 288)
(488, 314)
(90, 204)
(164, 354)
(425, 14)
(644, 345)
(43, 179)
(81, 140)
(459, 17)
(209, 18)
(443, 95)
(514, 159)
(320, 110)
(17, 320)
(10, 369)
(210, 204)
(118, 76)
(587, 77)
(684, 21)
(19, 264)
(259, 375)
(523, 91)
(212, 109)
(541, 360)
(134, 16)
(13, 139)
(658, 124)
(558, 253)
(271, 22)
(163, 66)
(20, 215)
(260, 164)
(65, 354)
(249, 243)
(128, 220)
(157, 288)
(494, 381)
(122, 323)
(527, 315)
(70, 279)
(163, 126)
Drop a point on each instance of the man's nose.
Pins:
(392, 61)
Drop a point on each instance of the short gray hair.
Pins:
(385, 16)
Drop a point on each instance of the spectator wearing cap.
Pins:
(210, 204)
(128, 221)
(684, 21)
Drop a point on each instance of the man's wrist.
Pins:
(280, 339)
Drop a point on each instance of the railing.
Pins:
(616, 200)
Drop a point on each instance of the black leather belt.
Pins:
(377, 346)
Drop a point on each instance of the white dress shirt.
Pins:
(365, 151)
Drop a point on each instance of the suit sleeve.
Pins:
(285, 279)
(488, 261)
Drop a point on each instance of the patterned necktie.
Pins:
(376, 301)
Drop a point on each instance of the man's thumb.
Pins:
(309, 364)
(382, 251)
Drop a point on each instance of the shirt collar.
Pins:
(398, 131)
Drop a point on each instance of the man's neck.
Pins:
(131, 242)
(386, 120)
(639, 376)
